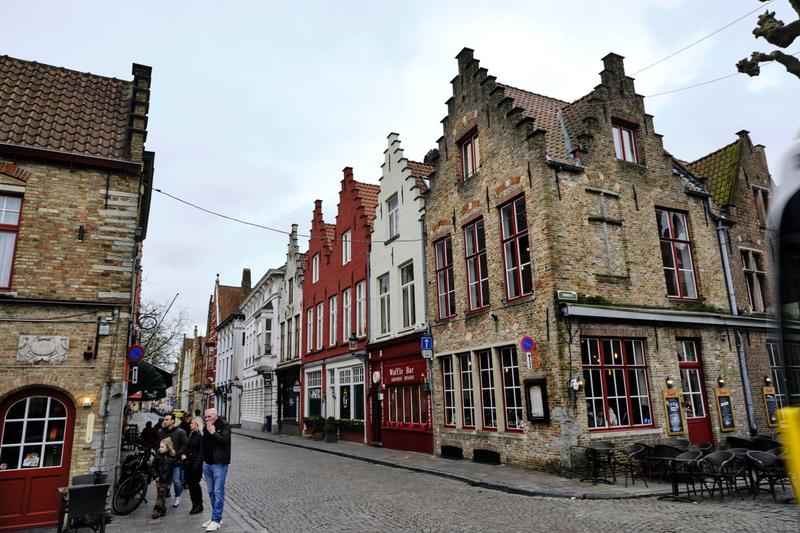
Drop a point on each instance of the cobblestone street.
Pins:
(291, 489)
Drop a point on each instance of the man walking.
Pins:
(216, 458)
(170, 430)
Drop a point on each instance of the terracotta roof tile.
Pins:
(720, 169)
(229, 300)
(369, 198)
(54, 108)
(420, 170)
(544, 111)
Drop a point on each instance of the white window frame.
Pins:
(333, 326)
(347, 238)
(467, 390)
(625, 146)
(384, 299)
(488, 389)
(407, 295)
(347, 304)
(393, 208)
(310, 334)
(361, 308)
(315, 268)
(511, 387)
(320, 325)
(449, 391)
(755, 279)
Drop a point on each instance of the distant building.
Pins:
(229, 330)
(75, 186)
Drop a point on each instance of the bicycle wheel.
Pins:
(129, 495)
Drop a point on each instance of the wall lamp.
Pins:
(768, 381)
(87, 402)
(670, 382)
(721, 382)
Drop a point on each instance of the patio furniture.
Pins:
(679, 467)
(660, 457)
(630, 460)
(737, 442)
(764, 467)
(717, 469)
(740, 469)
(687, 466)
(84, 506)
(704, 447)
(679, 442)
(599, 456)
(763, 445)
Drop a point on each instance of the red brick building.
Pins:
(335, 306)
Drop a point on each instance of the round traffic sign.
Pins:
(135, 352)
(526, 343)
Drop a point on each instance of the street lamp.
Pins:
(237, 383)
(352, 341)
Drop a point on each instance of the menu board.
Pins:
(674, 413)
(725, 410)
(771, 405)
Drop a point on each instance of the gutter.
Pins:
(70, 157)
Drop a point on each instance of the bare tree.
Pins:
(775, 32)
(162, 332)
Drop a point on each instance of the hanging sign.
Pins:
(296, 387)
(771, 405)
(411, 372)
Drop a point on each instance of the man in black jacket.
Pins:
(216, 458)
(170, 429)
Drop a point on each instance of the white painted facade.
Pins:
(290, 329)
(259, 357)
(396, 244)
(229, 360)
(185, 377)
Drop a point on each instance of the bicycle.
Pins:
(134, 479)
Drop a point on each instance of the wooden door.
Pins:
(694, 392)
(36, 427)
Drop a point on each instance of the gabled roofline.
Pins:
(70, 157)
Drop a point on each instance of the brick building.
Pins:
(335, 306)
(567, 222)
(75, 184)
(398, 391)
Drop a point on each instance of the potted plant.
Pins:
(331, 431)
(309, 422)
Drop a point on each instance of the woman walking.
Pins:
(163, 465)
(194, 464)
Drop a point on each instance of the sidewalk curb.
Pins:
(243, 517)
(492, 485)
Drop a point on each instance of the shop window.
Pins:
(449, 391)
(756, 278)
(314, 391)
(33, 434)
(477, 269)
(488, 404)
(445, 282)
(345, 393)
(615, 376)
(9, 229)
(516, 249)
(467, 391)
(511, 388)
(625, 143)
(407, 406)
(676, 254)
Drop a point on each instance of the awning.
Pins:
(151, 382)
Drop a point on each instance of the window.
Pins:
(358, 392)
(283, 341)
(776, 371)
(791, 351)
(615, 374)
(33, 433)
(477, 269)
(268, 337)
(511, 389)
(392, 208)
(346, 310)
(361, 308)
(314, 391)
(332, 325)
(691, 379)
(345, 393)
(449, 391)
(489, 407)
(346, 239)
(297, 335)
(470, 156)
(625, 143)
(9, 228)
(676, 254)
(516, 249)
(288, 339)
(315, 268)
(444, 277)
(290, 285)
(320, 322)
(407, 294)
(761, 199)
(310, 330)
(385, 303)
(467, 388)
(756, 278)
(407, 405)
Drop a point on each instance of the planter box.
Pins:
(318, 436)
(351, 435)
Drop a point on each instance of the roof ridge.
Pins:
(64, 69)
(505, 85)
(715, 152)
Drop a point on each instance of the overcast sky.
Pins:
(257, 106)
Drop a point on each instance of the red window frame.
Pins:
(14, 230)
(605, 370)
(616, 133)
(468, 372)
(511, 382)
(673, 244)
(516, 233)
(444, 273)
(492, 388)
(470, 154)
(448, 394)
(476, 265)
(695, 366)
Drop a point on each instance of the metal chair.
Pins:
(716, 468)
(764, 467)
(87, 507)
(629, 460)
(763, 445)
(679, 442)
(685, 467)
(737, 442)
(704, 447)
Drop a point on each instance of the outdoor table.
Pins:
(673, 474)
(598, 453)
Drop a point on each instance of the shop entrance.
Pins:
(694, 392)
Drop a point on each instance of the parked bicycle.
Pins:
(135, 477)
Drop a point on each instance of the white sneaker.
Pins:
(213, 526)
(177, 501)
(206, 523)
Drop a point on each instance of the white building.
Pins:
(290, 309)
(259, 408)
(230, 334)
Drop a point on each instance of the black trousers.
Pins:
(192, 478)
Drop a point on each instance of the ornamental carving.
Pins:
(42, 349)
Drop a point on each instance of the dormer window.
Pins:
(625, 143)
(470, 155)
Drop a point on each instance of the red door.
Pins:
(36, 428)
(694, 392)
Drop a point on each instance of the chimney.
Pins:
(195, 332)
(247, 284)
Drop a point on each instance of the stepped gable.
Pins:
(544, 111)
(54, 108)
(229, 300)
(419, 171)
(719, 169)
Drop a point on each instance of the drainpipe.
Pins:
(429, 362)
(726, 267)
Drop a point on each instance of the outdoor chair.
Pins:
(87, 507)
(764, 467)
(716, 468)
(599, 456)
(679, 442)
(686, 467)
(763, 445)
(704, 447)
(737, 442)
(630, 460)
(660, 457)
(645, 459)
(740, 469)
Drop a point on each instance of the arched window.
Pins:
(33, 434)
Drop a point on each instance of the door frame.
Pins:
(696, 365)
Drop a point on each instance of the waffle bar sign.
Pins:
(406, 373)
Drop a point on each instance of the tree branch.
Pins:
(751, 66)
